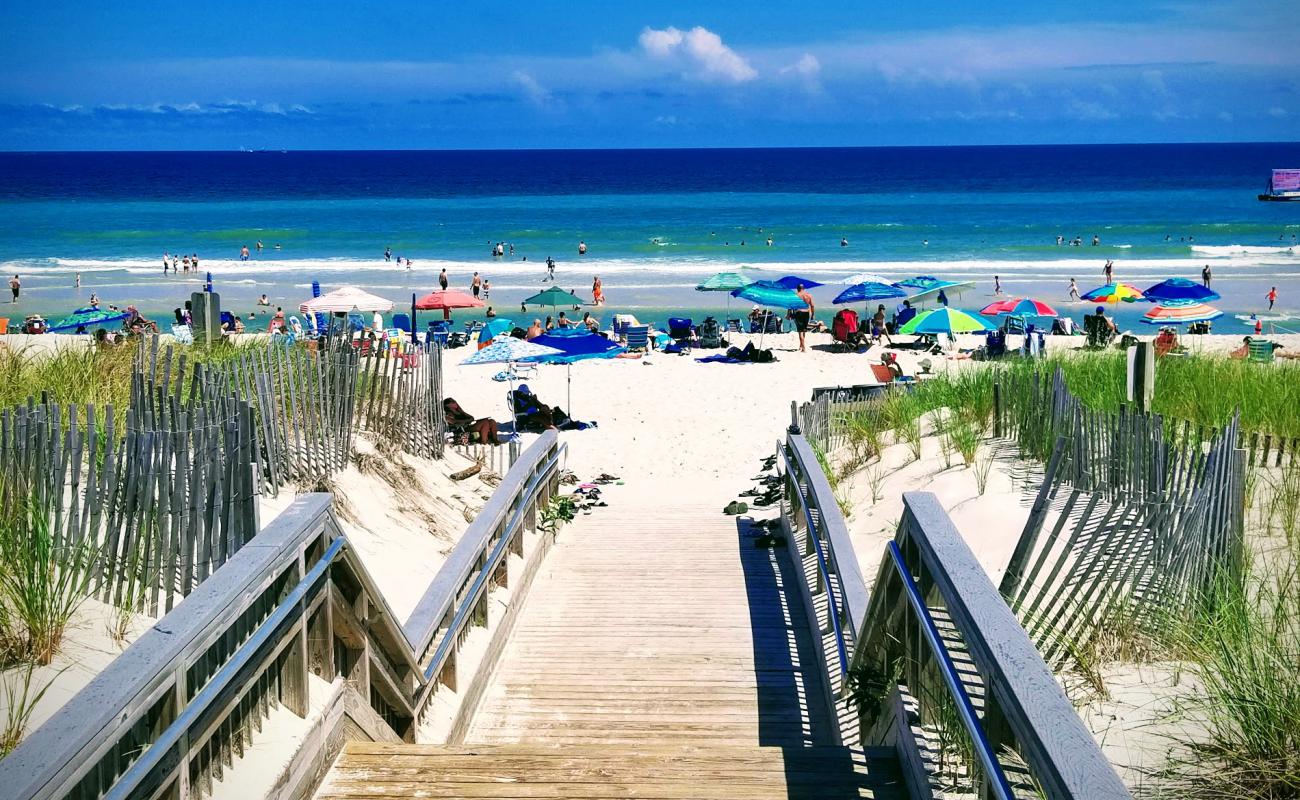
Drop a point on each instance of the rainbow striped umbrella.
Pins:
(945, 320)
(1020, 306)
(1114, 293)
(1178, 313)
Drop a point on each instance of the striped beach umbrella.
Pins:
(945, 320)
(866, 277)
(725, 282)
(1178, 313)
(1115, 293)
(1019, 306)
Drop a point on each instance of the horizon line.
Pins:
(286, 150)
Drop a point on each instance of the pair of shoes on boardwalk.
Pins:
(735, 507)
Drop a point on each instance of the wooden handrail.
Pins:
(135, 728)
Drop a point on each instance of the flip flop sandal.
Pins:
(750, 493)
(764, 501)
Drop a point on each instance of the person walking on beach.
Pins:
(597, 293)
(1205, 276)
(550, 269)
(15, 286)
(1109, 271)
(243, 253)
(76, 281)
(476, 285)
(487, 288)
(442, 279)
(1074, 290)
(997, 285)
(802, 316)
(1272, 295)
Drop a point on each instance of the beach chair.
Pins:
(4, 325)
(1098, 331)
(403, 322)
(438, 332)
(681, 330)
(844, 329)
(183, 334)
(1261, 350)
(733, 326)
(710, 334)
(638, 338)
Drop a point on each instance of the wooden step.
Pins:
(597, 772)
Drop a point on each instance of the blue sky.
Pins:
(148, 75)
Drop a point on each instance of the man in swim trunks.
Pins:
(803, 315)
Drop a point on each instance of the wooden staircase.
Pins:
(659, 655)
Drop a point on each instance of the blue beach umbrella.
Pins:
(792, 282)
(494, 328)
(1180, 290)
(506, 350)
(86, 317)
(771, 294)
(922, 288)
(864, 292)
(574, 344)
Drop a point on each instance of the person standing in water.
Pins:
(802, 316)
(597, 293)
(1272, 295)
(1109, 271)
(476, 284)
(388, 253)
(550, 269)
(997, 285)
(1074, 290)
(442, 279)
(243, 253)
(76, 281)
(582, 248)
(15, 286)
(487, 288)
(1205, 276)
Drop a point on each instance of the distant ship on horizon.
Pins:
(1283, 185)
(243, 149)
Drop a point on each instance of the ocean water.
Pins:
(656, 222)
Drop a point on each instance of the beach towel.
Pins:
(719, 358)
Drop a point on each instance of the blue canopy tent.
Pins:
(923, 288)
(573, 344)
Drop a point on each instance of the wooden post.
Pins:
(1142, 375)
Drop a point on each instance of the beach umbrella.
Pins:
(866, 277)
(506, 349)
(1114, 293)
(921, 288)
(867, 291)
(724, 282)
(771, 294)
(792, 282)
(1019, 306)
(944, 320)
(574, 344)
(1178, 313)
(445, 300)
(345, 299)
(492, 329)
(554, 296)
(84, 318)
(1180, 290)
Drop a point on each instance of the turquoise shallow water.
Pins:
(655, 222)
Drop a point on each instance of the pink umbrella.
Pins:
(446, 300)
(1020, 306)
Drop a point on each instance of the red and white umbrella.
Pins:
(1020, 306)
(1178, 313)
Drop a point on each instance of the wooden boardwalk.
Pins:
(661, 655)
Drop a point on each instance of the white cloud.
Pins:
(699, 49)
(533, 90)
(807, 65)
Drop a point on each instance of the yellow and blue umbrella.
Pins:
(1115, 293)
(945, 320)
